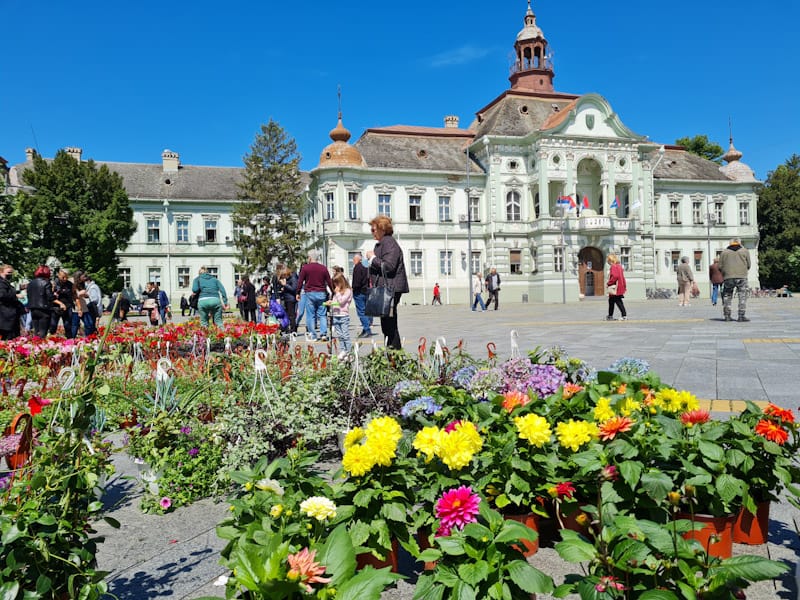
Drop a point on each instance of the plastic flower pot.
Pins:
(752, 529)
(531, 520)
(367, 558)
(716, 536)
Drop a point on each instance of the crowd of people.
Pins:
(44, 304)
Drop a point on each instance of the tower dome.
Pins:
(736, 169)
(340, 153)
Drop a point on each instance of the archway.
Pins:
(588, 187)
(591, 276)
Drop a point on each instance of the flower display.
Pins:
(407, 388)
(544, 380)
(318, 507)
(9, 444)
(570, 389)
(772, 431)
(674, 401)
(428, 441)
(304, 569)
(534, 429)
(463, 376)
(782, 414)
(456, 508)
(611, 427)
(458, 446)
(603, 410)
(353, 437)
(632, 367)
(376, 445)
(574, 434)
(421, 405)
(485, 381)
(514, 399)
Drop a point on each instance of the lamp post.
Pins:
(563, 212)
(168, 278)
(469, 234)
(711, 220)
(661, 152)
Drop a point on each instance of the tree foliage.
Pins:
(79, 214)
(701, 146)
(14, 232)
(272, 202)
(779, 226)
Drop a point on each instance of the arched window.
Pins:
(513, 211)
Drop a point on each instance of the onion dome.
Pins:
(340, 153)
(735, 169)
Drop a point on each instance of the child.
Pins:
(340, 304)
(262, 303)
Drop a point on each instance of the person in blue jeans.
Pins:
(360, 287)
(715, 275)
(318, 284)
(477, 290)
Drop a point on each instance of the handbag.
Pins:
(611, 290)
(695, 290)
(379, 299)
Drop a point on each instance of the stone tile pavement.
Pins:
(176, 555)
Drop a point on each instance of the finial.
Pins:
(339, 94)
(730, 131)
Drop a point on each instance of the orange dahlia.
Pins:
(782, 414)
(771, 431)
(513, 399)
(695, 417)
(305, 570)
(613, 426)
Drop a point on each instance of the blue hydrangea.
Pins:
(407, 388)
(632, 367)
(462, 377)
(423, 404)
(485, 381)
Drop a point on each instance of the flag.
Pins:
(615, 202)
(564, 201)
(586, 202)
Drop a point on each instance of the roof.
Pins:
(680, 164)
(189, 182)
(518, 114)
(419, 148)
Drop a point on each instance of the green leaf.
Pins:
(451, 545)
(728, 487)
(9, 590)
(658, 595)
(513, 531)
(631, 472)
(394, 511)
(359, 533)
(711, 451)
(338, 555)
(656, 484)
(462, 591)
(519, 483)
(752, 568)
(473, 573)
(528, 578)
(575, 550)
(368, 584)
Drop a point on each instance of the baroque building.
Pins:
(542, 185)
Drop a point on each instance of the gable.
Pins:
(589, 116)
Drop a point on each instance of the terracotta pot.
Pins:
(721, 527)
(362, 560)
(752, 529)
(424, 541)
(22, 423)
(532, 521)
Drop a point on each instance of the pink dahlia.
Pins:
(457, 507)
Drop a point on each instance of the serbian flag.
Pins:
(565, 201)
(615, 202)
(586, 202)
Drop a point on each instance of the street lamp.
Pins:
(563, 211)
(469, 233)
(711, 220)
(661, 152)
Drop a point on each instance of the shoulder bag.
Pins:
(611, 290)
(379, 298)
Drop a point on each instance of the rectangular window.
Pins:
(446, 262)
(153, 231)
(416, 263)
(697, 213)
(675, 212)
(475, 263)
(385, 205)
(513, 206)
(744, 213)
(698, 260)
(330, 212)
(444, 209)
(125, 276)
(182, 228)
(558, 259)
(211, 231)
(515, 261)
(719, 212)
(213, 271)
(154, 275)
(415, 208)
(184, 277)
(238, 232)
(352, 206)
(474, 212)
(625, 257)
(676, 258)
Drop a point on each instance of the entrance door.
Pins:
(590, 271)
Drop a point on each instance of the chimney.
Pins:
(170, 161)
(451, 122)
(74, 152)
(29, 152)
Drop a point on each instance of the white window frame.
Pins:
(330, 206)
(124, 273)
(238, 231)
(154, 275)
(415, 261)
(445, 262)
(211, 225)
(513, 206)
(719, 212)
(352, 206)
(182, 230)
(558, 259)
(698, 260)
(475, 263)
(445, 214)
(675, 212)
(744, 213)
(515, 262)
(675, 257)
(385, 205)
(697, 213)
(625, 257)
(184, 277)
(213, 271)
(153, 230)
(415, 208)
(474, 207)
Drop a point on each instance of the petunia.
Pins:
(771, 431)
(165, 503)
(457, 507)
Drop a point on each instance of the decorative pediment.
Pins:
(592, 116)
(444, 191)
(385, 188)
(327, 187)
(353, 186)
(514, 182)
(698, 197)
(719, 197)
(415, 190)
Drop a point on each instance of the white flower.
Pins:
(270, 485)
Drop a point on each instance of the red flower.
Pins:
(611, 427)
(782, 414)
(451, 426)
(565, 489)
(771, 431)
(35, 404)
(695, 417)
(457, 507)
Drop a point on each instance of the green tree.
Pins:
(272, 202)
(701, 146)
(14, 234)
(779, 226)
(79, 213)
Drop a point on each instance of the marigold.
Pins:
(695, 417)
(574, 434)
(772, 431)
(515, 398)
(304, 569)
(603, 410)
(358, 460)
(533, 428)
(610, 428)
(457, 507)
(782, 414)
(319, 507)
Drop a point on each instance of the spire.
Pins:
(732, 154)
(532, 69)
(340, 133)
(736, 169)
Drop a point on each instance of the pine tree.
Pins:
(701, 146)
(272, 202)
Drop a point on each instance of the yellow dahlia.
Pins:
(319, 507)
(382, 449)
(629, 405)
(358, 460)
(574, 434)
(533, 428)
(427, 442)
(603, 410)
(353, 437)
(384, 427)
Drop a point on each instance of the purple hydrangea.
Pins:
(515, 370)
(462, 377)
(633, 367)
(485, 381)
(544, 380)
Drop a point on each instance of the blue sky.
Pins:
(126, 80)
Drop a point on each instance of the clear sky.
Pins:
(125, 80)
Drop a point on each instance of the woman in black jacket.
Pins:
(287, 279)
(387, 259)
(247, 300)
(42, 301)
